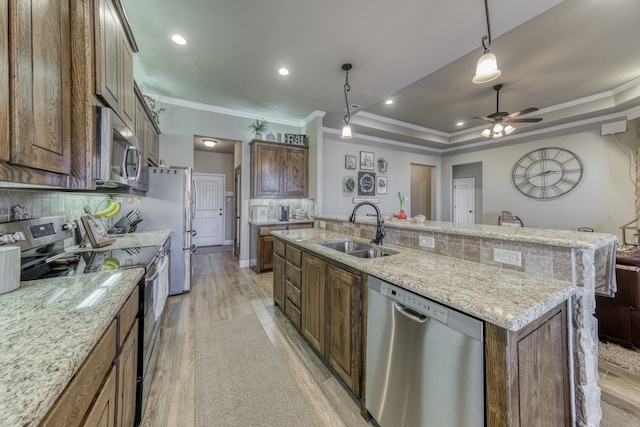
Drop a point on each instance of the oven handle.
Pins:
(158, 270)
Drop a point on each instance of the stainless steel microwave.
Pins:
(119, 159)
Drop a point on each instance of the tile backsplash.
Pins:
(47, 203)
(272, 206)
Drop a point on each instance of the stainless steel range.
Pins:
(43, 256)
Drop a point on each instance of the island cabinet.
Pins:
(103, 390)
(527, 373)
(114, 60)
(261, 244)
(278, 170)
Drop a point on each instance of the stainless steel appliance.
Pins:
(43, 256)
(283, 212)
(425, 362)
(119, 159)
(170, 204)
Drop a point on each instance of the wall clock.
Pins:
(547, 173)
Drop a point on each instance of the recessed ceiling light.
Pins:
(283, 71)
(459, 123)
(178, 39)
(209, 142)
(389, 101)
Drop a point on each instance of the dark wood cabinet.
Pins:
(4, 82)
(261, 244)
(40, 90)
(127, 368)
(103, 410)
(278, 280)
(278, 170)
(313, 301)
(146, 130)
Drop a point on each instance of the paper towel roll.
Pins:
(10, 268)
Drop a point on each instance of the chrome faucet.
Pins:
(380, 226)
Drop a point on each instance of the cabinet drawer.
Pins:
(278, 247)
(294, 256)
(294, 294)
(266, 231)
(75, 400)
(292, 312)
(300, 226)
(127, 315)
(293, 274)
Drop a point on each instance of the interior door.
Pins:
(464, 200)
(236, 222)
(209, 209)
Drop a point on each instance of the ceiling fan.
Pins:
(499, 118)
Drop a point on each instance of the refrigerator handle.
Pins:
(194, 248)
(194, 232)
(194, 198)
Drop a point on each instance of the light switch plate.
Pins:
(506, 256)
(426, 242)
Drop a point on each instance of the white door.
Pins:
(464, 200)
(209, 213)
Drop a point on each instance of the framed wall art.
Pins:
(381, 185)
(349, 185)
(366, 161)
(366, 184)
(350, 162)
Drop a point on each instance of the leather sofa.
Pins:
(619, 317)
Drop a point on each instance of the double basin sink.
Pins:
(356, 248)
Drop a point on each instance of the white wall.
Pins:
(603, 200)
(219, 163)
(398, 173)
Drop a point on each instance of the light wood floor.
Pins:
(221, 290)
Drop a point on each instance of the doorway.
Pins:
(236, 214)
(209, 216)
(464, 200)
(421, 184)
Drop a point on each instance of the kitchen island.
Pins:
(459, 271)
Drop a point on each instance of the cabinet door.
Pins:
(154, 146)
(265, 257)
(343, 301)
(141, 129)
(278, 280)
(40, 96)
(127, 364)
(127, 94)
(295, 172)
(268, 171)
(313, 301)
(103, 411)
(107, 53)
(4, 81)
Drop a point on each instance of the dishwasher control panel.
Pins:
(415, 302)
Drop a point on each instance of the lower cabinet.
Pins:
(261, 244)
(103, 390)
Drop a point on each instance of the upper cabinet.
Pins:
(278, 170)
(147, 130)
(114, 60)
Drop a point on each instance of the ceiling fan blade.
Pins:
(531, 120)
(525, 111)
(486, 119)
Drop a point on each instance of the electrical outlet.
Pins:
(507, 257)
(426, 242)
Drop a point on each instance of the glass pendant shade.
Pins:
(487, 69)
(497, 130)
(346, 132)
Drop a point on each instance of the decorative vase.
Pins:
(402, 215)
(258, 135)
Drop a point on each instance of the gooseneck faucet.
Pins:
(380, 226)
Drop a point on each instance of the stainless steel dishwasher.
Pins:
(425, 362)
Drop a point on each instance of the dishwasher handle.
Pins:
(409, 313)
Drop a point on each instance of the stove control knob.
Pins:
(67, 226)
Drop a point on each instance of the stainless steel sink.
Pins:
(357, 249)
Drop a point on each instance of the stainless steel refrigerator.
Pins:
(170, 204)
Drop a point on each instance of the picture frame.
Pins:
(381, 185)
(366, 161)
(350, 162)
(366, 184)
(96, 232)
(349, 185)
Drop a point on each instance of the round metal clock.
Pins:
(547, 173)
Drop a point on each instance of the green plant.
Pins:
(259, 125)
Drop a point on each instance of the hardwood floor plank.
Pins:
(221, 290)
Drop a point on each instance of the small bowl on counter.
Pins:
(419, 219)
(387, 216)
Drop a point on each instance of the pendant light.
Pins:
(487, 68)
(346, 129)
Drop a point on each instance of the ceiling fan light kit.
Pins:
(487, 67)
(500, 120)
(346, 129)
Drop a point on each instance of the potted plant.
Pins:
(382, 165)
(259, 126)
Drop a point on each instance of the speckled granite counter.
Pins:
(46, 332)
(276, 222)
(130, 240)
(505, 298)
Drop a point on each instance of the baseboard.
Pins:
(244, 264)
(228, 242)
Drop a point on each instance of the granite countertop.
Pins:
(47, 329)
(130, 240)
(276, 222)
(505, 298)
(562, 238)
